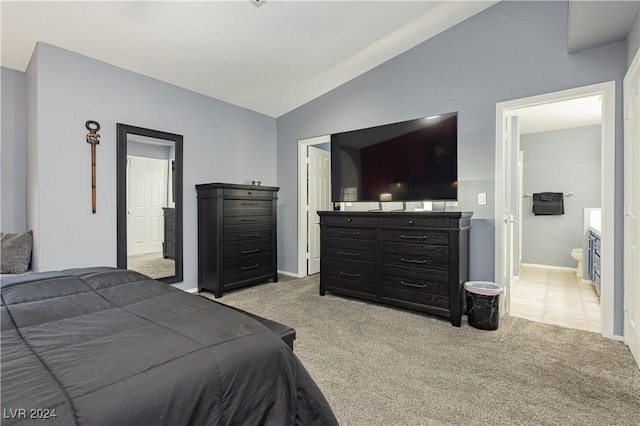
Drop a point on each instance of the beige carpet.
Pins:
(152, 265)
(383, 366)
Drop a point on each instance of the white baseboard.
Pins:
(195, 289)
(290, 274)
(555, 268)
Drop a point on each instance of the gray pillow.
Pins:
(15, 252)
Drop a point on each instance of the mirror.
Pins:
(149, 204)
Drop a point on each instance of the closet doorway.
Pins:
(514, 202)
(314, 194)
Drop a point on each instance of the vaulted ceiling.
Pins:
(270, 59)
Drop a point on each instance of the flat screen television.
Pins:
(415, 160)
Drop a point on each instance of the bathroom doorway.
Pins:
(540, 277)
(559, 146)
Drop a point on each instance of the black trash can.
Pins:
(483, 304)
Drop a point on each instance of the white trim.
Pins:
(302, 199)
(608, 163)
(555, 268)
(290, 274)
(191, 290)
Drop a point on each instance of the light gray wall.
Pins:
(565, 160)
(633, 39)
(13, 150)
(509, 51)
(222, 143)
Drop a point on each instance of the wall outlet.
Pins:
(482, 198)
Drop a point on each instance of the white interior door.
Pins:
(146, 195)
(319, 178)
(632, 208)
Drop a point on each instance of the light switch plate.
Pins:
(482, 198)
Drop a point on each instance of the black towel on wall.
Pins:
(548, 203)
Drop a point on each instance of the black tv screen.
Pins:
(415, 160)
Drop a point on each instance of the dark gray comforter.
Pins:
(102, 346)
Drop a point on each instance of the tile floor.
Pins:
(555, 297)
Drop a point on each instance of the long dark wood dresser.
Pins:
(237, 233)
(414, 260)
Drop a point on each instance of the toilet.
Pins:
(576, 253)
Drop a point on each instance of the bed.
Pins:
(104, 346)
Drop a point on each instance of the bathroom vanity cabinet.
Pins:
(594, 259)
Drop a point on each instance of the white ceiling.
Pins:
(593, 23)
(269, 59)
(563, 114)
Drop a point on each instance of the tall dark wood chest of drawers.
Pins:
(237, 233)
(414, 260)
(169, 244)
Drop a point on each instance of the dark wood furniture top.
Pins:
(415, 260)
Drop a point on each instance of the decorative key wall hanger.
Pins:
(93, 138)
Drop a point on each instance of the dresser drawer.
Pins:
(352, 233)
(245, 220)
(351, 253)
(421, 283)
(416, 255)
(416, 236)
(247, 272)
(247, 193)
(248, 235)
(422, 222)
(247, 207)
(247, 248)
(246, 263)
(349, 275)
(418, 297)
(350, 270)
(247, 227)
(349, 220)
(350, 244)
(432, 275)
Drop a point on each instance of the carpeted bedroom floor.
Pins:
(378, 365)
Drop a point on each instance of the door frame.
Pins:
(607, 183)
(303, 197)
(631, 163)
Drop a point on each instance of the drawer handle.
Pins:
(249, 204)
(412, 284)
(244, 268)
(414, 237)
(250, 251)
(254, 235)
(346, 274)
(423, 261)
(346, 253)
(349, 233)
(249, 220)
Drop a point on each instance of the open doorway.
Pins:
(511, 200)
(558, 145)
(314, 194)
